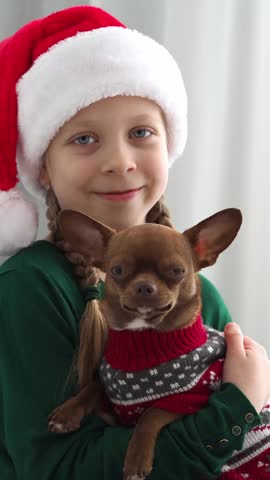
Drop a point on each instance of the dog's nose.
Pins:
(145, 289)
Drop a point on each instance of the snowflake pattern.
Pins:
(174, 376)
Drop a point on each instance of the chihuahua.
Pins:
(159, 361)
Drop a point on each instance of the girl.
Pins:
(92, 114)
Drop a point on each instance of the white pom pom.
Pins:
(18, 222)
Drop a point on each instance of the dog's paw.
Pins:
(135, 477)
(65, 419)
(137, 465)
(127, 476)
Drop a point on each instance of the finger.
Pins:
(234, 338)
(249, 343)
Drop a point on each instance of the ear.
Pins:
(44, 178)
(211, 236)
(84, 234)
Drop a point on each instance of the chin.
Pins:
(116, 218)
(125, 224)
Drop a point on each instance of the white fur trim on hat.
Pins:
(18, 222)
(80, 70)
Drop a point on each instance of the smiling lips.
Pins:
(119, 195)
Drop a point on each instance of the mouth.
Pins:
(119, 194)
(149, 313)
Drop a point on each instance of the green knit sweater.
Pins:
(40, 307)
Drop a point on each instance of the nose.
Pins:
(145, 289)
(119, 159)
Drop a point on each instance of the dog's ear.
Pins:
(84, 234)
(213, 235)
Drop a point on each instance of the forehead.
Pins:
(149, 243)
(128, 107)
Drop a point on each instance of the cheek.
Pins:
(62, 178)
(68, 172)
(162, 181)
(160, 166)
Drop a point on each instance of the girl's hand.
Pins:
(247, 366)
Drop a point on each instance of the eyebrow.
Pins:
(144, 118)
(140, 119)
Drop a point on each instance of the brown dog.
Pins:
(151, 285)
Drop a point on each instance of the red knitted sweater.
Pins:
(179, 380)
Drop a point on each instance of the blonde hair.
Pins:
(93, 325)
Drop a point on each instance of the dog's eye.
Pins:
(177, 272)
(117, 270)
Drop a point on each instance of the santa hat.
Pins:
(53, 67)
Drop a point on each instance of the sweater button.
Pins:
(249, 417)
(223, 443)
(236, 430)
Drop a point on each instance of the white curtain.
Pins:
(223, 50)
(15, 13)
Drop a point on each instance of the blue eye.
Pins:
(84, 140)
(142, 133)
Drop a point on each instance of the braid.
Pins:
(160, 214)
(93, 326)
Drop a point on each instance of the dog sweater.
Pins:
(168, 370)
(176, 371)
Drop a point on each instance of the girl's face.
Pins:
(113, 146)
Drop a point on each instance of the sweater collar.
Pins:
(142, 349)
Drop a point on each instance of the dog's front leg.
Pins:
(140, 453)
(68, 416)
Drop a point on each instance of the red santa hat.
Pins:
(53, 67)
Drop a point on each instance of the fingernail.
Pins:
(232, 325)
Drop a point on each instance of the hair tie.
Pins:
(95, 292)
